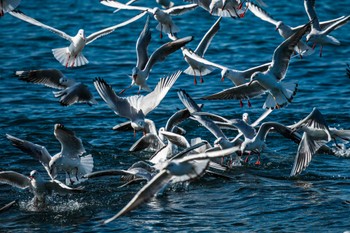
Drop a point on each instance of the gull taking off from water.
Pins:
(136, 107)
(69, 159)
(279, 94)
(166, 23)
(70, 91)
(36, 184)
(72, 55)
(318, 35)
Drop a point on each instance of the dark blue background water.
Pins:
(257, 199)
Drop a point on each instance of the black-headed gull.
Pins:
(69, 159)
(72, 55)
(224, 8)
(70, 91)
(8, 5)
(144, 63)
(316, 134)
(136, 107)
(177, 170)
(166, 23)
(318, 35)
(193, 58)
(279, 94)
(36, 184)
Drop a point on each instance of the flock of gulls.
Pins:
(177, 158)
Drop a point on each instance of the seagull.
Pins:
(71, 92)
(316, 134)
(8, 5)
(318, 35)
(69, 159)
(144, 63)
(72, 55)
(165, 22)
(177, 170)
(191, 57)
(36, 184)
(222, 8)
(136, 107)
(279, 94)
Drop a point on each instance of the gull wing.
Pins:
(71, 145)
(15, 179)
(243, 91)
(336, 25)
(142, 45)
(208, 37)
(109, 30)
(176, 139)
(20, 15)
(151, 101)
(119, 5)
(50, 78)
(283, 52)
(59, 187)
(162, 52)
(145, 193)
(36, 151)
(311, 13)
(149, 140)
(261, 13)
(261, 68)
(121, 106)
(179, 10)
(308, 146)
(176, 119)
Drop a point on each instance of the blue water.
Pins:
(257, 199)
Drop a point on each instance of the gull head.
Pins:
(33, 175)
(138, 124)
(134, 74)
(156, 10)
(224, 73)
(246, 118)
(66, 82)
(81, 34)
(308, 37)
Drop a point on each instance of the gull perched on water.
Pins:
(223, 8)
(177, 170)
(144, 63)
(36, 184)
(69, 159)
(71, 92)
(318, 35)
(165, 22)
(72, 55)
(8, 5)
(279, 94)
(136, 107)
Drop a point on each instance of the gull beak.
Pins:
(276, 29)
(31, 177)
(134, 77)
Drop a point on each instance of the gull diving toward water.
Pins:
(165, 22)
(36, 184)
(72, 55)
(279, 94)
(8, 5)
(318, 35)
(177, 170)
(136, 107)
(71, 92)
(69, 159)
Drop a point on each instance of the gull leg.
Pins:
(70, 179)
(75, 57)
(76, 173)
(1, 11)
(201, 80)
(241, 103)
(258, 161)
(122, 91)
(249, 104)
(134, 133)
(161, 29)
(68, 61)
(313, 46)
(247, 158)
(321, 50)
(195, 79)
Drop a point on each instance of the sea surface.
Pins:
(257, 198)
